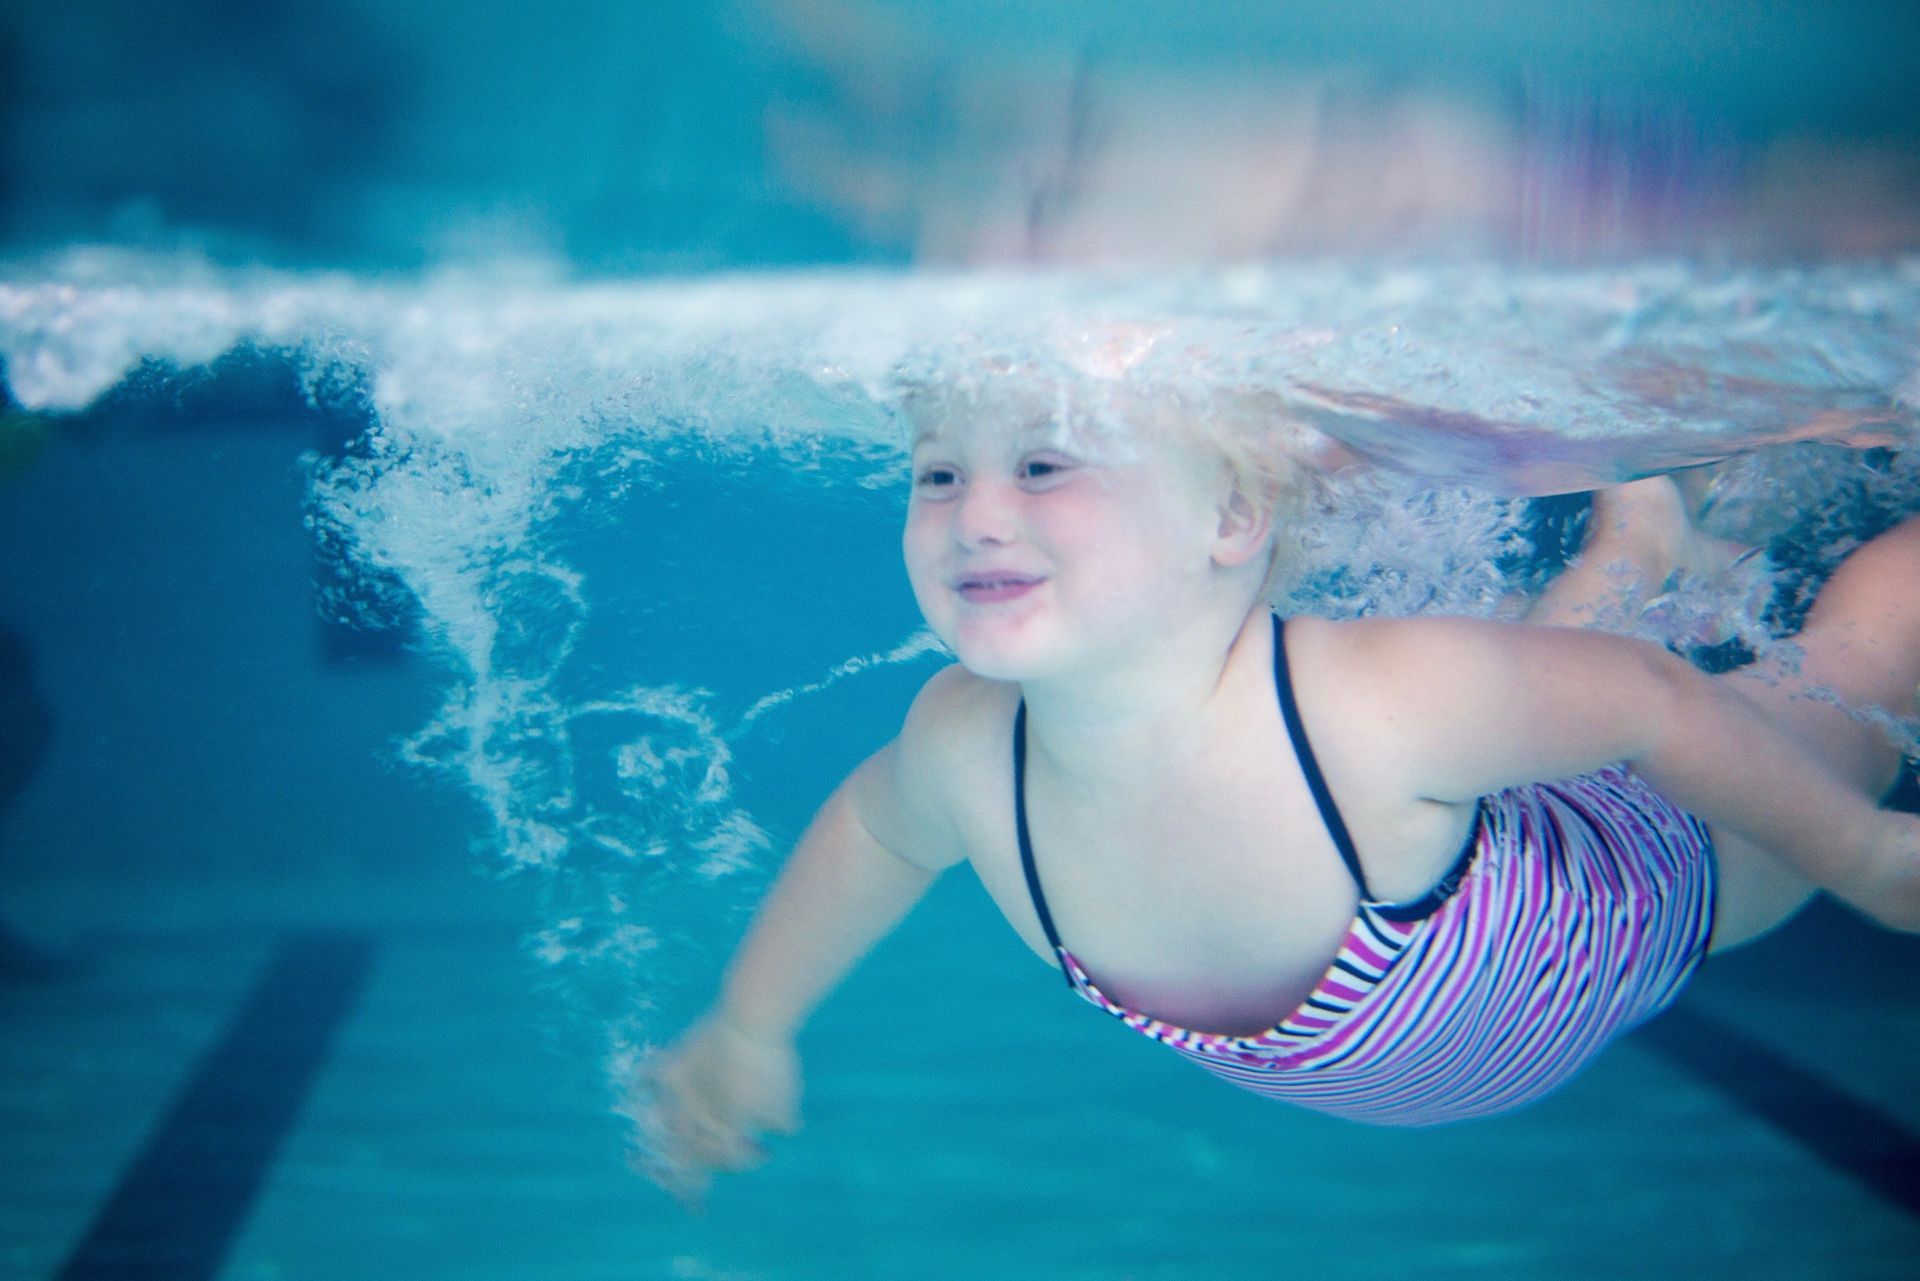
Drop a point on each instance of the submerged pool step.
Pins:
(176, 1210)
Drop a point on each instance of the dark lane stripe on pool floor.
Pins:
(1858, 1139)
(180, 1203)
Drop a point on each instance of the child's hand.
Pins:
(716, 1090)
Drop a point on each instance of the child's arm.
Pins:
(1474, 707)
(848, 883)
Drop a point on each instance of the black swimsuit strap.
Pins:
(1303, 750)
(1026, 842)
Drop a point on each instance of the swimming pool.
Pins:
(434, 664)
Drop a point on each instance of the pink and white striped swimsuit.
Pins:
(1576, 910)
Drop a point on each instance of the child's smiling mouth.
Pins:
(989, 586)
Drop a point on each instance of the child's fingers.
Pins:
(743, 1153)
(770, 1107)
(700, 1137)
(666, 1156)
(782, 1119)
(685, 1184)
(707, 1112)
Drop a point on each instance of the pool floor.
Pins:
(391, 1099)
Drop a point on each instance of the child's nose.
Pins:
(985, 516)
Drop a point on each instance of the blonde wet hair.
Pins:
(1101, 387)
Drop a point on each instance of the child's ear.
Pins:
(1244, 528)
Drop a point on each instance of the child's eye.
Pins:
(936, 479)
(1042, 470)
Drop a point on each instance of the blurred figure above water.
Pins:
(1321, 141)
(690, 136)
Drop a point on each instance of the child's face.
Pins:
(1031, 558)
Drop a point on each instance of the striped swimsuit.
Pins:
(1576, 910)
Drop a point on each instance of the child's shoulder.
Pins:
(925, 794)
(957, 720)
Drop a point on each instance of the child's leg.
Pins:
(1861, 647)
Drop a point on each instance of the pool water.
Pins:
(450, 479)
(297, 1031)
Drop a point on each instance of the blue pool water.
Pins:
(308, 681)
(444, 559)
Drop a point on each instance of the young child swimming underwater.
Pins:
(1399, 870)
